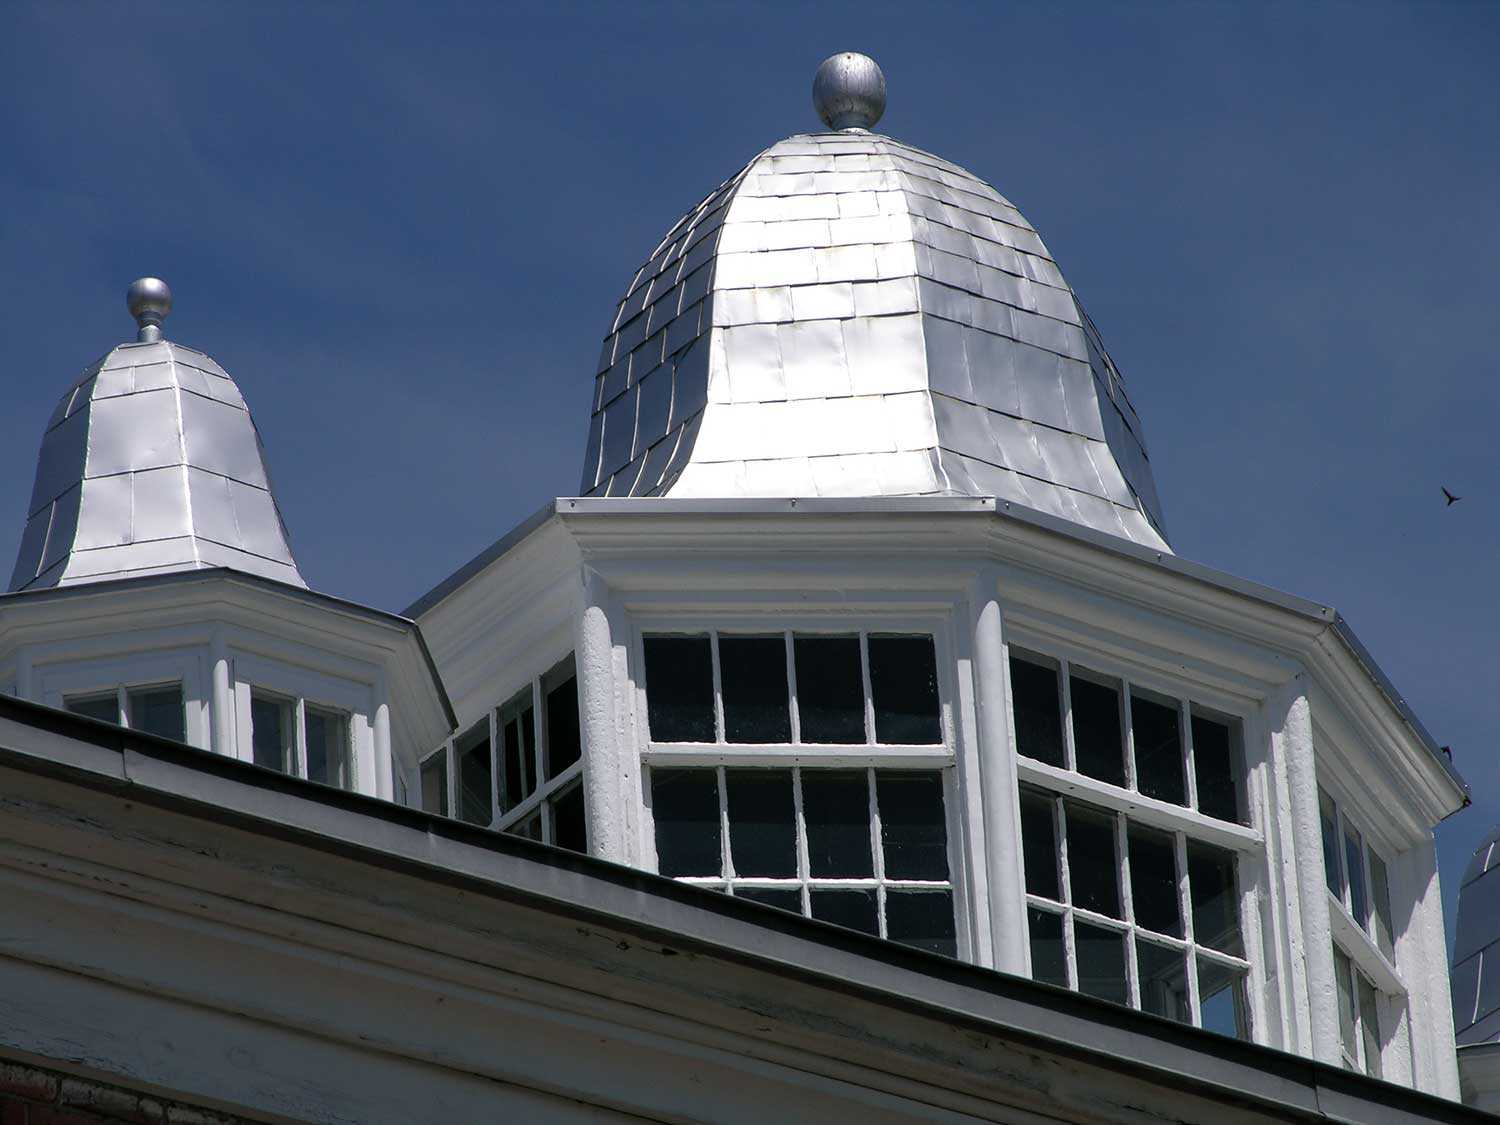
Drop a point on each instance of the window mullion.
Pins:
(791, 689)
(1127, 903)
(121, 707)
(864, 672)
(726, 856)
(299, 734)
(804, 865)
(497, 768)
(1060, 822)
(1189, 763)
(877, 853)
(538, 735)
(719, 735)
(1185, 908)
(1127, 726)
(1070, 756)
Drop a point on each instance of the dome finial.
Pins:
(849, 91)
(149, 300)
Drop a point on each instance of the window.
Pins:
(1134, 914)
(156, 708)
(297, 737)
(862, 848)
(1359, 1016)
(783, 688)
(520, 768)
(1356, 875)
(1112, 731)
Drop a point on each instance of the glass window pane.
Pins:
(1037, 703)
(679, 689)
(1049, 958)
(1097, 743)
(1216, 769)
(1369, 1024)
(1380, 895)
(685, 806)
(1162, 973)
(514, 755)
(326, 734)
(1221, 999)
(779, 897)
(1354, 864)
(530, 828)
(105, 706)
(836, 809)
(857, 910)
(830, 689)
(1343, 973)
(568, 824)
(564, 743)
(762, 822)
(271, 733)
(1333, 870)
(528, 748)
(752, 674)
(1153, 880)
(1093, 869)
(923, 919)
(157, 710)
(474, 774)
(913, 831)
(1215, 898)
(1101, 961)
(903, 681)
(435, 784)
(1039, 845)
(1158, 750)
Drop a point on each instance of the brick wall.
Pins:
(32, 1096)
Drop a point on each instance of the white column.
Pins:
(1310, 950)
(385, 780)
(1422, 953)
(610, 762)
(997, 779)
(221, 698)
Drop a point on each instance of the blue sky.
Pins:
(403, 229)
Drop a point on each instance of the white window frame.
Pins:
(354, 701)
(543, 798)
(1360, 1060)
(940, 757)
(1133, 931)
(128, 673)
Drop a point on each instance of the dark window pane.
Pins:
(435, 784)
(857, 910)
(1162, 973)
(474, 776)
(510, 744)
(271, 733)
(1380, 894)
(1158, 750)
(923, 919)
(530, 828)
(913, 832)
(1333, 870)
(1215, 898)
(752, 674)
(772, 896)
(830, 689)
(568, 826)
(1101, 962)
(903, 682)
(1369, 1024)
(564, 744)
(836, 808)
(1343, 976)
(1038, 711)
(680, 689)
(157, 710)
(1354, 864)
(685, 806)
(1216, 769)
(1221, 999)
(329, 760)
(762, 822)
(104, 707)
(528, 750)
(1039, 844)
(1093, 871)
(1097, 744)
(1049, 960)
(1153, 881)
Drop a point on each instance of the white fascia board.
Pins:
(938, 543)
(349, 634)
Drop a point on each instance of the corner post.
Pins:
(610, 764)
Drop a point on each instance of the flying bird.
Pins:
(1452, 499)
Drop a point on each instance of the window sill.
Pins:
(1147, 810)
(1362, 950)
(789, 754)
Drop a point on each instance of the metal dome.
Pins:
(151, 463)
(851, 316)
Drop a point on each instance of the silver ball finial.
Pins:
(149, 301)
(849, 91)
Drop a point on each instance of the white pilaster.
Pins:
(1422, 954)
(610, 762)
